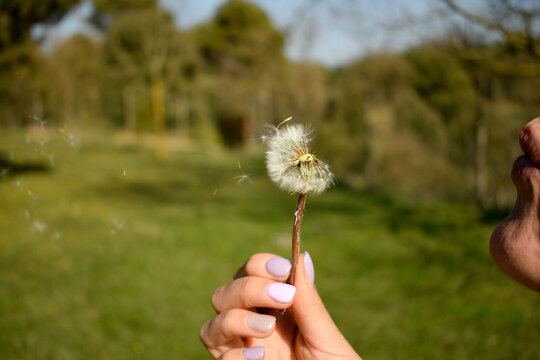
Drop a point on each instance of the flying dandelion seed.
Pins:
(119, 224)
(49, 156)
(38, 226)
(243, 177)
(71, 139)
(4, 173)
(41, 123)
(56, 236)
(31, 195)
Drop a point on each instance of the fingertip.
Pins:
(305, 274)
(278, 266)
(269, 266)
(308, 268)
(282, 293)
(253, 353)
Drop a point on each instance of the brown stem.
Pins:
(296, 236)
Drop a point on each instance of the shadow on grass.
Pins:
(10, 168)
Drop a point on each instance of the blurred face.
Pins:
(515, 243)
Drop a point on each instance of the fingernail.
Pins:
(278, 266)
(260, 322)
(254, 353)
(308, 266)
(282, 293)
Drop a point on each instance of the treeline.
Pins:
(433, 120)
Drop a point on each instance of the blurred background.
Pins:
(132, 178)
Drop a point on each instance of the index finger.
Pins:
(265, 265)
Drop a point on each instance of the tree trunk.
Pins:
(182, 109)
(481, 144)
(158, 109)
(130, 113)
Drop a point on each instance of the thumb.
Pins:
(310, 314)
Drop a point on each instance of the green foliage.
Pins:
(102, 265)
(240, 38)
(422, 121)
(17, 16)
(243, 50)
(75, 99)
(117, 7)
(144, 49)
(20, 61)
(412, 121)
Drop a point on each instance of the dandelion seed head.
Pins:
(292, 165)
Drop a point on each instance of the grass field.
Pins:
(108, 254)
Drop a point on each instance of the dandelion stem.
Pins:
(296, 236)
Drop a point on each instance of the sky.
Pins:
(331, 32)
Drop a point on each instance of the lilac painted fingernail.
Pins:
(280, 292)
(278, 266)
(254, 353)
(308, 266)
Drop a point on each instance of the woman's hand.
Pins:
(261, 317)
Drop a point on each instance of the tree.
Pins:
(507, 34)
(245, 52)
(19, 58)
(18, 16)
(144, 47)
(505, 43)
(77, 68)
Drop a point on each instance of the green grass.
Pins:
(98, 265)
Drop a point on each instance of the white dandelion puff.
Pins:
(292, 165)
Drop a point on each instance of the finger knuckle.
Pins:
(250, 290)
(251, 264)
(229, 320)
(203, 332)
(215, 298)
